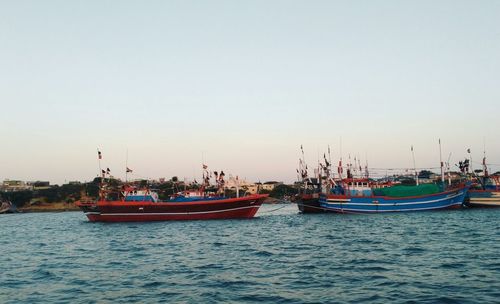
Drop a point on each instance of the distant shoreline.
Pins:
(53, 207)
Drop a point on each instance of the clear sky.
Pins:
(243, 83)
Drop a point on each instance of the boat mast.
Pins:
(448, 169)
(485, 168)
(367, 174)
(414, 166)
(470, 160)
(303, 170)
(126, 166)
(101, 174)
(441, 161)
(340, 161)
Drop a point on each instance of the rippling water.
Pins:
(278, 257)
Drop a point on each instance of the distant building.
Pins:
(252, 188)
(39, 185)
(269, 186)
(15, 185)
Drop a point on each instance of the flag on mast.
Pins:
(128, 170)
(99, 155)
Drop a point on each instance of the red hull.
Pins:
(120, 211)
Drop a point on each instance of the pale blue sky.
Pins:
(244, 83)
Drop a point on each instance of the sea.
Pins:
(280, 256)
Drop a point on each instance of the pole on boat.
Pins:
(470, 159)
(448, 169)
(414, 166)
(99, 157)
(340, 161)
(366, 166)
(303, 170)
(441, 161)
(485, 168)
(126, 166)
(237, 186)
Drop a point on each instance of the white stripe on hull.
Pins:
(169, 213)
(361, 211)
(485, 202)
(393, 204)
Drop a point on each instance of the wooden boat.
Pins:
(485, 194)
(307, 199)
(129, 203)
(140, 206)
(7, 207)
(486, 191)
(394, 199)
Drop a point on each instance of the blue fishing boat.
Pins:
(393, 199)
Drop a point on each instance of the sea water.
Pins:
(278, 257)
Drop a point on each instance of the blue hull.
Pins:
(378, 204)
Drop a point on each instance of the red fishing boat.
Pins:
(147, 208)
(130, 203)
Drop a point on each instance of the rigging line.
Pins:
(488, 164)
(269, 211)
(421, 168)
(313, 207)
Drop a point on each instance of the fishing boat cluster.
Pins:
(358, 193)
(332, 189)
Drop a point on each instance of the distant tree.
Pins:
(18, 198)
(51, 194)
(71, 190)
(408, 182)
(143, 183)
(264, 191)
(174, 179)
(92, 188)
(281, 190)
(425, 174)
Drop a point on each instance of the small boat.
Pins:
(485, 194)
(7, 207)
(307, 199)
(394, 199)
(486, 191)
(309, 190)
